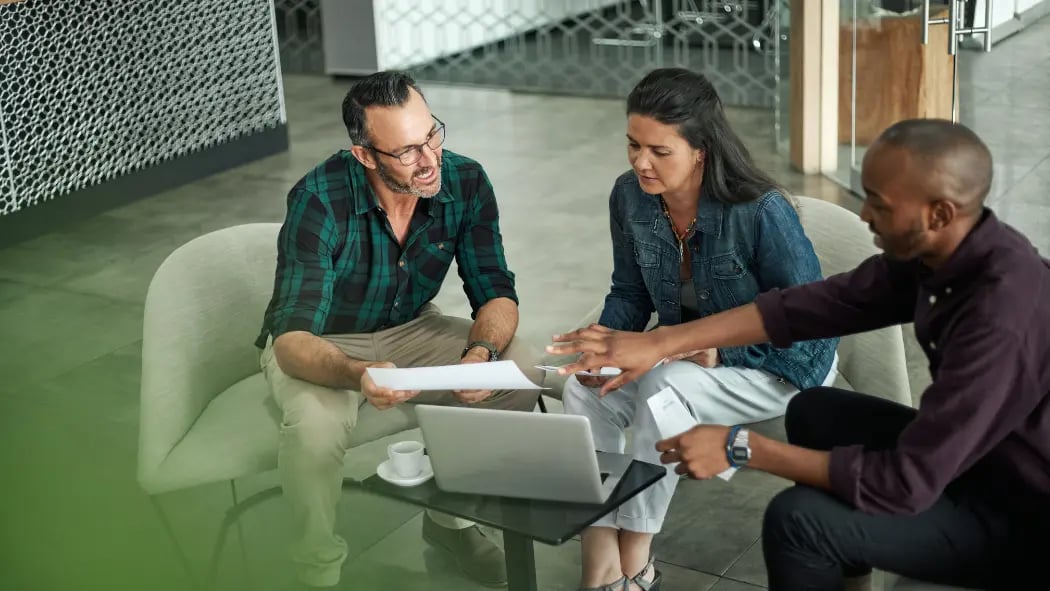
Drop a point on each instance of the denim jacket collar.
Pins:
(709, 213)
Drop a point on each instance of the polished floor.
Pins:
(71, 513)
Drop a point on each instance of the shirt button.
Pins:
(441, 246)
(933, 346)
(704, 295)
(933, 300)
(947, 291)
(401, 264)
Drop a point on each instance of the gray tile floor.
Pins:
(71, 513)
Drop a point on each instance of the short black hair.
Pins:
(385, 89)
(950, 147)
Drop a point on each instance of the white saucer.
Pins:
(386, 472)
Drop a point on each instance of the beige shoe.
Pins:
(477, 556)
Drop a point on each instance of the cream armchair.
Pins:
(206, 411)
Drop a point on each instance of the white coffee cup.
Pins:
(406, 458)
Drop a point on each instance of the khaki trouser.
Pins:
(318, 420)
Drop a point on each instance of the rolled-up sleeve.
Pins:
(480, 256)
(305, 275)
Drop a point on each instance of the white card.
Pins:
(603, 372)
(673, 418)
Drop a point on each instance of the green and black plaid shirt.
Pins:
(340, 269)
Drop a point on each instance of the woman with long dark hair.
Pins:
(696, 229)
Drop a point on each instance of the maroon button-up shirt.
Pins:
(983, 320)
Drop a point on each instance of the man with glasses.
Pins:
(369, 236)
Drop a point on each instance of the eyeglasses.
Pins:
(412, 154)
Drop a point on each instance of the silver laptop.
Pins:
(518, 454)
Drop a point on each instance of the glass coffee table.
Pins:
(522, 521)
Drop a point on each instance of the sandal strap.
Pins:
(618, 585)
(644, 585)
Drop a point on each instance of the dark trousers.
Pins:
(812, 540)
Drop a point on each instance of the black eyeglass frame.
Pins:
(416, 149)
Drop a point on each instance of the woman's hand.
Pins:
(704, 357)
(592, 381)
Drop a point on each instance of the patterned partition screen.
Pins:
(299, 35)
(94, 90)
(586, 47)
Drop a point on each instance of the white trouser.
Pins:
(716, 396)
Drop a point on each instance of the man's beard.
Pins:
(397, 186)
(907, 246)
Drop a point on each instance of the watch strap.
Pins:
(493, 351)
(738, 440)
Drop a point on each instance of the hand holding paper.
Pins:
(633, 352)
(381, 397)
(698, 450)
(471, 396)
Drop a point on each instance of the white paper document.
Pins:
(605, 371)
(494, 375)
(673, 418)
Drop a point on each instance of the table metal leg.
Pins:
(521, 562)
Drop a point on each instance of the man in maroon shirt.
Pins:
(955, 492)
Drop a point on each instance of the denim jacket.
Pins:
(738, 251)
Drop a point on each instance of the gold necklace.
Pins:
(674, 230)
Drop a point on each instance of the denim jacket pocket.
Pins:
(727, 266)
(647, 255)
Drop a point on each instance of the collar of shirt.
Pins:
(968, 258)
(364, 196)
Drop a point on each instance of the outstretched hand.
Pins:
(634, 353)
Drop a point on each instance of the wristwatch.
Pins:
(738, 452)
(493, 351)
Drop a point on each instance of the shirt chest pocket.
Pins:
(441, 250)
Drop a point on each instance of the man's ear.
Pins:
(942, 212)
(364, 156)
